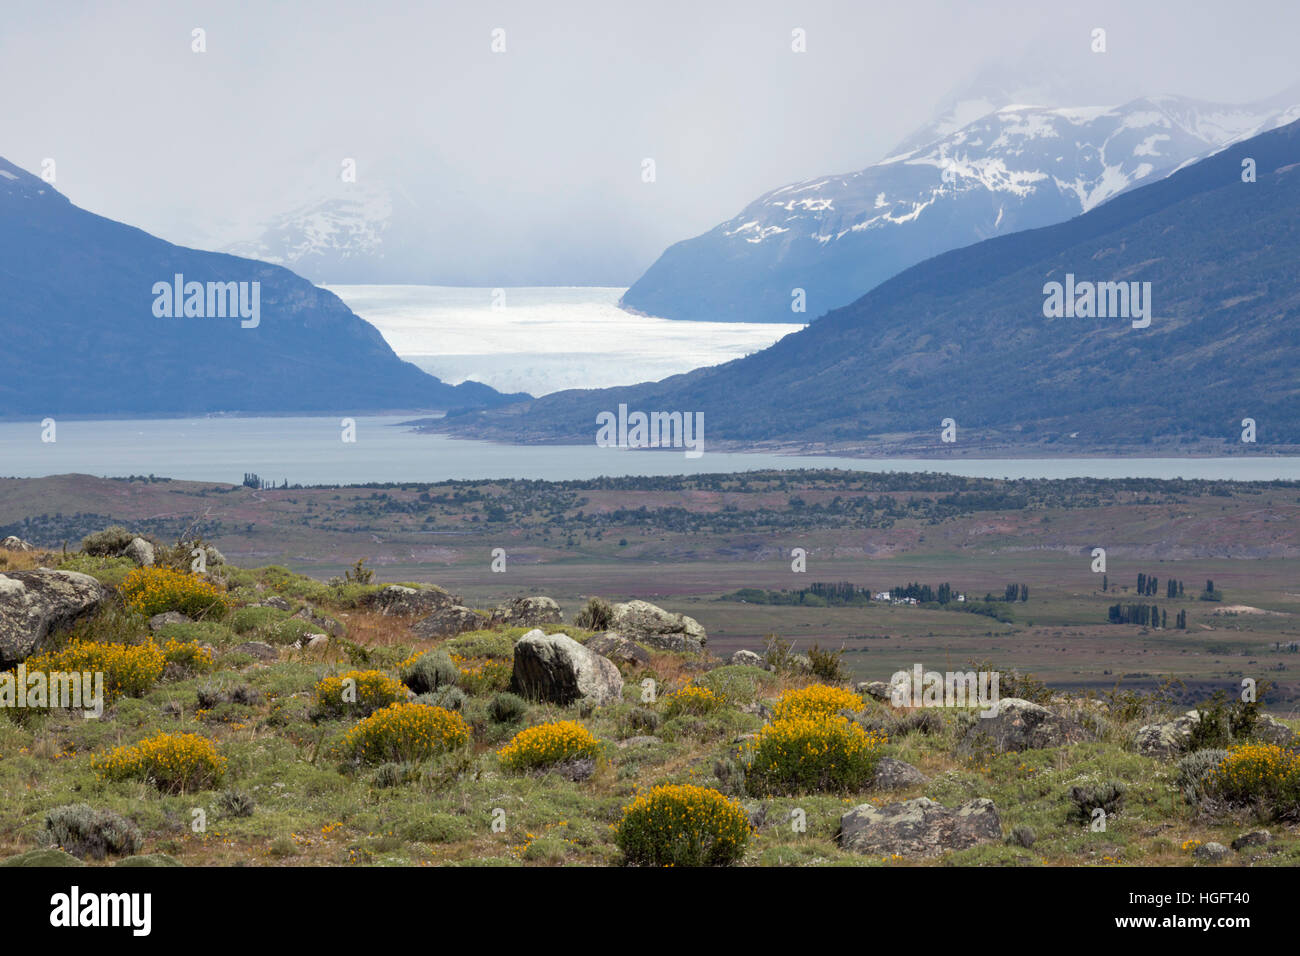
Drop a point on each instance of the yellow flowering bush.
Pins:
(482, 676)
(188, 654)
(153, 591)
(1263, 775)
(548, 744)
(682, 825)
(129, 669)
(355, 692)
(817, 700)
(811, 754)
(174, 763)
(402, 732)
(693, 699)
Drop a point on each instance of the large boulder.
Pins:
(744, 658)
(15, 543)
(894, 774)
(1018, 724)
(557, 669)
(527, 612)
(1167, 739)
(652, 626)
(919, 828)
(36, 604)
(1272, 731)
(448, 622)
(422, 600)
(619, 649)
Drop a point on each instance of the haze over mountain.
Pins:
(80, 319)
(964, 335)
(986, 165)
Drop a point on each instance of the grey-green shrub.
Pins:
(236, 803)
(110, 541)
(448, 697)
(1194, 768)
(429, 671)
(85, 832)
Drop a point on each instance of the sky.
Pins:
(529, 162)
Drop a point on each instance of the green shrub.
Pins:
(110, 541)
(108, 571)
(507, 708)
(449, 697)
(85, 832)
(682, 825)
(247, 619)
(1085, 801)
(492, 645)
(739, 683)
(429, 671)
(236, 803)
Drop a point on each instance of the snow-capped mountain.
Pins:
(955, 182)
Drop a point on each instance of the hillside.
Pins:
(951, 184)
(85, 334)
(964, 336)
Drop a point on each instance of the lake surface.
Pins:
(545, 339)
(311, 451)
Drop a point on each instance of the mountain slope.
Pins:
(964, 335)
(77, 316)
(1016, 167)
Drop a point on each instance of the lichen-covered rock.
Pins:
(1167, 739)
(1272, 731)
(15, 543)
(894, 774)
(159, 621)
(919, 827)
(557, 669)
(1017, 724)
(647, 624)
(37, 604)
(1211, 852)
(747, 659)
(536, 611)
(399, 599)
(258, 649)
(448, 622)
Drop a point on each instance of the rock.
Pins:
(642, 741)
(36, 604)
(1272, 731)
(46, 857)
(527, 612)
(1167, 739)
(1211, 852)
(140, 551)
(1018, 724)
(15, 543)
(618, 649)
(919, 827)
(652, 626)
(556, 668)
(214, 557)
(277, 602)
(894, 774)
(1253, 838)
(448, 622)
(263, 652)
(576, 769)
(398, 599)
(317, 640)
(878, 689)
(327, 624)
(159, 621)
(747, 659)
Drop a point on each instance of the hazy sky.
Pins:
(535, 154)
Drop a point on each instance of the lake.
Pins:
(309, 450)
